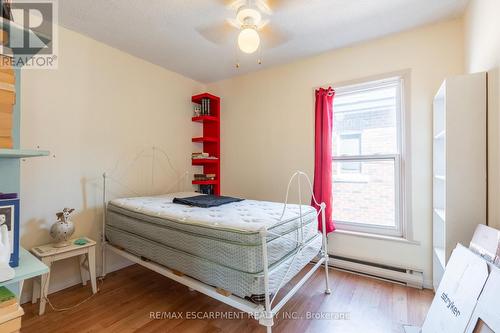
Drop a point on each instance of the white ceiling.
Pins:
(165, 32)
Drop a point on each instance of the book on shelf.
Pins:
(7, 96)
(8, 302)
(207, 156)
(204, 176)
(6, 120)
(205, 106)
(204, 158)
(207, 189)
(6, 296)
(9, 308)
(8, 196)
(6, 142)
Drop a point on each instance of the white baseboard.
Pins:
(407, 277)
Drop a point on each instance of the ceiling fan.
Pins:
(251, 23)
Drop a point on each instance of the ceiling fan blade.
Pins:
(278, 4)
(218, 33)
(272, 37)
(234, 23)
(233, 4)
(262, 24)
(263, 6)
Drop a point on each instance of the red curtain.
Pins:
(323, 154)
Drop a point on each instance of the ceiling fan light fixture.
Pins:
(249, 40)
(246, 13)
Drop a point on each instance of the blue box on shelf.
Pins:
(9, 215)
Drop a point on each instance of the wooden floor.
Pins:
(128, 297)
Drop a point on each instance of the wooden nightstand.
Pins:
(49, 254)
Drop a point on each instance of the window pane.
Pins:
(370, 113)
(350, 145)
(367, 197)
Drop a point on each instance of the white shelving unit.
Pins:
(459, 165)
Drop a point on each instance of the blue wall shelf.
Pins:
(10, 159)
(22, 153)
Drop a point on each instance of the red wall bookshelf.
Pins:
(209, 142)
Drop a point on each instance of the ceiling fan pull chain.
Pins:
(236, 56)
(259, 60)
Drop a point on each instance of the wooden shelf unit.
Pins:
(209, 142)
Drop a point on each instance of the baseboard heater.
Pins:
(393, 274)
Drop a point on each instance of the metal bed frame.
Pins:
(263, 313)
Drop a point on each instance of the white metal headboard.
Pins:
(151, 152)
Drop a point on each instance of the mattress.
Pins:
(242, 284)
(228, 236)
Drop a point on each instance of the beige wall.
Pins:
(482, 49)
(100, 107)
(267, 126)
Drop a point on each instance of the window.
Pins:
(368, 189)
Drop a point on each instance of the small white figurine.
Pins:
(62, 230)
(6, 272)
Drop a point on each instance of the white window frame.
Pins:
(401, 160)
